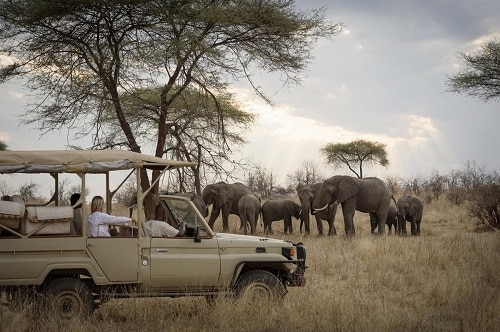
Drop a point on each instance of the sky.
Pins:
(382, 79)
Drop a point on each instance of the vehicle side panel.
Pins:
(28, 261)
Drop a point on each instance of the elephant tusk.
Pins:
(320, 209)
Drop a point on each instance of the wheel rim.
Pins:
(258, 291)
(67, 305)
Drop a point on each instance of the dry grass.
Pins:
(448, 279)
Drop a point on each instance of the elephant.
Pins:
(249, 209)
(368, 195)
(390, 221)
(280, 209)
(306, 195)
(410, 208)
(224, 197)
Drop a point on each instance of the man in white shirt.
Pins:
(160, 228)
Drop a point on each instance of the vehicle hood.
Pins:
(238, 240)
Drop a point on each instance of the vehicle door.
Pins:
(181, 263)
(117, 256)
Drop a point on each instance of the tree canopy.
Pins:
(192, 126)
(3, 146)
(81, 57)
(355, 155)
(481, 76)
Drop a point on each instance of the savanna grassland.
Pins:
(448, 279)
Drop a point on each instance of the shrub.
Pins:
(484, 201)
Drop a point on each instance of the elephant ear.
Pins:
(208, 194)
(346, 189)
(411, 209)
(224, 195)
(297, 210)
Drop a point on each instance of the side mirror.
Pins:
(197, 237)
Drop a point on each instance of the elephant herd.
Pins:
(367, 195)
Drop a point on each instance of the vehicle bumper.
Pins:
(297, 277)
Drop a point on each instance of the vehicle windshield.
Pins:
(180, 209)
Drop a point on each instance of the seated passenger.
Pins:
(77, 214)
(160, 228)
(99, 221)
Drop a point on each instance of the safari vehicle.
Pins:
(44, 260)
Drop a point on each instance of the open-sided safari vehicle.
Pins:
(45, 260)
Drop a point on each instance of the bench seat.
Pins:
(46, 220)
(11, 214)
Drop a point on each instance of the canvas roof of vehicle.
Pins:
(81, 161)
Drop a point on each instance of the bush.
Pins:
(482, 192)
(485, 202)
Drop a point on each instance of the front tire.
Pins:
(69, 298)
(259, 286)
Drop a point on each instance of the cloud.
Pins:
(421, 129)
(337, 92)
(15, 94)
(4, 136)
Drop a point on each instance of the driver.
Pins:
(160, 228)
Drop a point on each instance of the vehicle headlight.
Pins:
(288, 252)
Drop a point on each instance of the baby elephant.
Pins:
(249, 209)
(280, 209)
(390, 221)
(410, 209)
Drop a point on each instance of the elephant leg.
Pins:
(266, 230)
(331, 220)
(381, 218)
(225, 219)
(418, 227)
(373, 222)
(251, 221)
(287, 224)
(213, 216)
(319, 224)
(243, 224)
(267, 227)
(403, 227)
(307, 228)
(348, 208)
(390, 229)
(331, 228)
(413, 227)
(304, 220)
(243, 221)
(256, 221)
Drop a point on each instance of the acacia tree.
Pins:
(481, 76)
(355, 154)
(79, 56)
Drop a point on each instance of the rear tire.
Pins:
(259, 286)
(69, 298)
